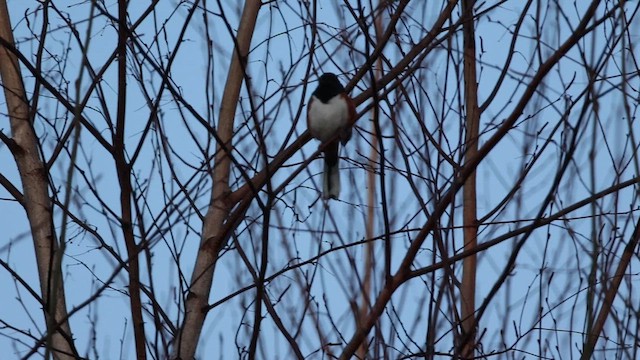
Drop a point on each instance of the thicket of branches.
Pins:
(155, 160)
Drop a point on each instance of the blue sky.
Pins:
(550, 265)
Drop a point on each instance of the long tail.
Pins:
(331, 174)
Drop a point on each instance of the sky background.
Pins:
(551, 265)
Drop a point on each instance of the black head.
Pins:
(328, 87)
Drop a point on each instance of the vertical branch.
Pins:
(123, 169)
(594, 254)
(470, 223)
(261, 295)
(37, 203)
(213, 238)
(369, 266)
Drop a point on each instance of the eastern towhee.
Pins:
(330, 116)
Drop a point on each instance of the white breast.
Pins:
(327, 119)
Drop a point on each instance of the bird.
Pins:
(331, 114)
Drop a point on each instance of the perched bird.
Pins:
(330, 116)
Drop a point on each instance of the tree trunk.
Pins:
(213, 238)
(36, 201)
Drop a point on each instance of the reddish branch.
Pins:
(470, 221)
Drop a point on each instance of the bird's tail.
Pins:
(331, 180)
